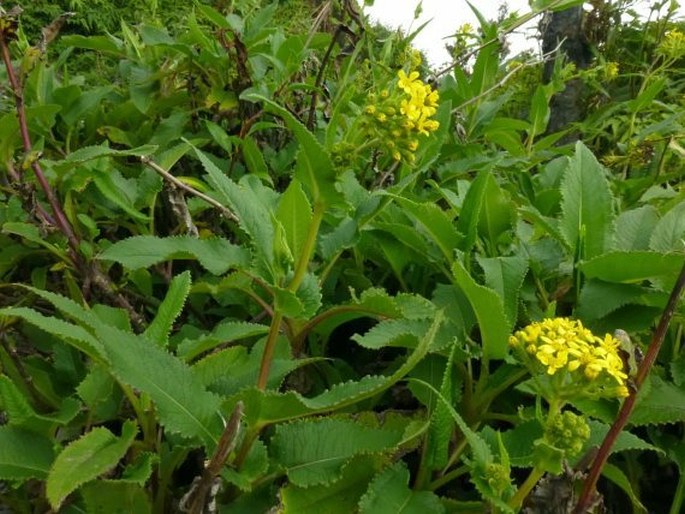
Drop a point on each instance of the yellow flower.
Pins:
(407, 82)
(561, 345)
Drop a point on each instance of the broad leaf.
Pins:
(24, 455)
(315, 451)
(389, 493)
(216, 255)
(587, 204)
(489, 309)
(295, 214)
(85, 459)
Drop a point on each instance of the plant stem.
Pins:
(300, 272)
(533, 478)
(676, 506)
(629, 403)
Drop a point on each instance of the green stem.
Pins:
(300, 272)
(677, 504)
(525, 489)
(448, 477)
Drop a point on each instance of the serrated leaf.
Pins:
(487, 305)
(314, 167)
(599, 298)
(256, 464)
(85, 459)
(616, 475)
(295, 213)
(586, 205)
(630, 267)
(113, 187)
(183, 405)
(669, 233)
(438, 226)
(115, 497)
(140, 471)
(170, 308)
(624, 442)
(315, 451)
(505, 275)
(224, 332)
(340, 497)
(389, 493)
(88, 153)
(663, 402)
(253, 214)
(268, 407)
(216, 255)
(441, 423)
(22, 414)
(24, 455)
(72, 334)
(635, 227)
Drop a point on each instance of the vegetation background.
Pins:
(259, 257)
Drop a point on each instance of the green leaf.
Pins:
(631, 267)
(436, 224)
(21, 413)
(340, 497)
(389, 493)
(24, 455)
(295, 214)
(624, 442)
(634, 228)
(172, 305)
(616, 475)
(489, 309)
(224, 331)
(74, 335)
(669, 233)
(586, 205)
(254, 467)
(598, 298)
(314, 167)
(183, 405)
(263, 408)
(505, 276)
(113, 187)
(314, 451)
(253, 213)
(89, 153)
(662, 402)
(115, 497)
(539, 112)
(85, 459)
(216, 255)
(254, 159)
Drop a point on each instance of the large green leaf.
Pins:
(635, 227)
(494, 326)
(587, 204)
(24, 455)
(315, 451)
(669, 233)
(295, 214)
(267, 407)
(115, 497)
(183, 405)
(254, 215)
(216, 255)
(340, 497)
(632, 267)
(314, 167)
(505, 275)
(85, 459)
(389, 493)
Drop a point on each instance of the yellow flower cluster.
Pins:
(398, 116)
(673, 45)
(421, 104)
(565, 345)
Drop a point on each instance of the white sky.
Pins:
(447, 15)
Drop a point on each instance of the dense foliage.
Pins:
(258, 257)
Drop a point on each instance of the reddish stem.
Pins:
(60, 218)
(624, 414)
